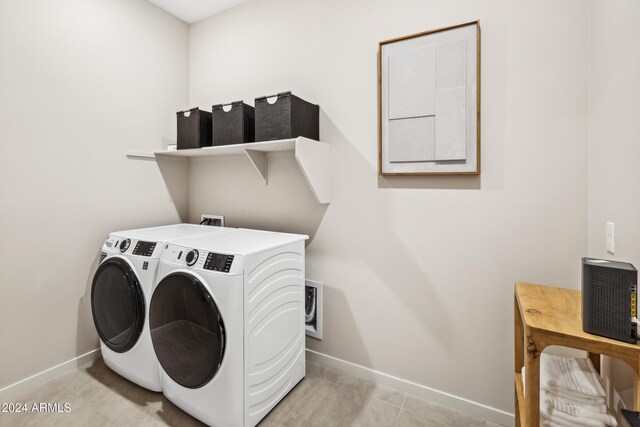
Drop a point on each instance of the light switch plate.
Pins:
(610, 238)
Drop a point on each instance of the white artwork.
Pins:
(429, 89)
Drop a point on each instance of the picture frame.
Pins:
(429, 102)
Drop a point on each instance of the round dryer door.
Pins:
(187, 330)
(117, 304)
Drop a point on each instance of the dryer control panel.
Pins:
(218, 262)
(202, 259)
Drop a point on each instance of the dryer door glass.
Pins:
(187, 330)
(117, 304)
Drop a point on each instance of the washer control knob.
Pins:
(192, 257)
(124, 245)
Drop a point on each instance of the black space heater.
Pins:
(609, 299)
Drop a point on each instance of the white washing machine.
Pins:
(227, 323)
(120, 296)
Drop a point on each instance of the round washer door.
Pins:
(187, 330)
(117, 304)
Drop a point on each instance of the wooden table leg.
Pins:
(518, 337)
(532, 382)
(636, 392)
(518, 340)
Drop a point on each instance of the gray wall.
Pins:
(614, 147)
(80, 83)
(418, 272)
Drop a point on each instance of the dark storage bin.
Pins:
(235, 126)
(288, 117)
(194, 129)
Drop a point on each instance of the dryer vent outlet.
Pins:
(214, 220)
(313, 308)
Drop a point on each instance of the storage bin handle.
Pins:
(272, 99)
(187, 113)
(228, 106)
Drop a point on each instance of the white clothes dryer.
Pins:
(227, 323)
(120, 295)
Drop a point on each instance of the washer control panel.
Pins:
(218, 262)
(144, 248)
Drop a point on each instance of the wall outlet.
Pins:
(215, 220)
(610, 238)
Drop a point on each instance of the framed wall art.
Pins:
(429, 102)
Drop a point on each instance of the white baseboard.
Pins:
(445, 399)
(49, 374)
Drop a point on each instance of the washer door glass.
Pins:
(187, 330)
(117, 304)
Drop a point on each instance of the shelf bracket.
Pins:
(259, 161)
(314, 160)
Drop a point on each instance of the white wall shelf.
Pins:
(135, 154)
(313, 158)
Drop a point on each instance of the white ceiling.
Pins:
(192, 11)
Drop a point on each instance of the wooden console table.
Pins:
(545, 316)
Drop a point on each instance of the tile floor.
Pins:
(99, 397)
